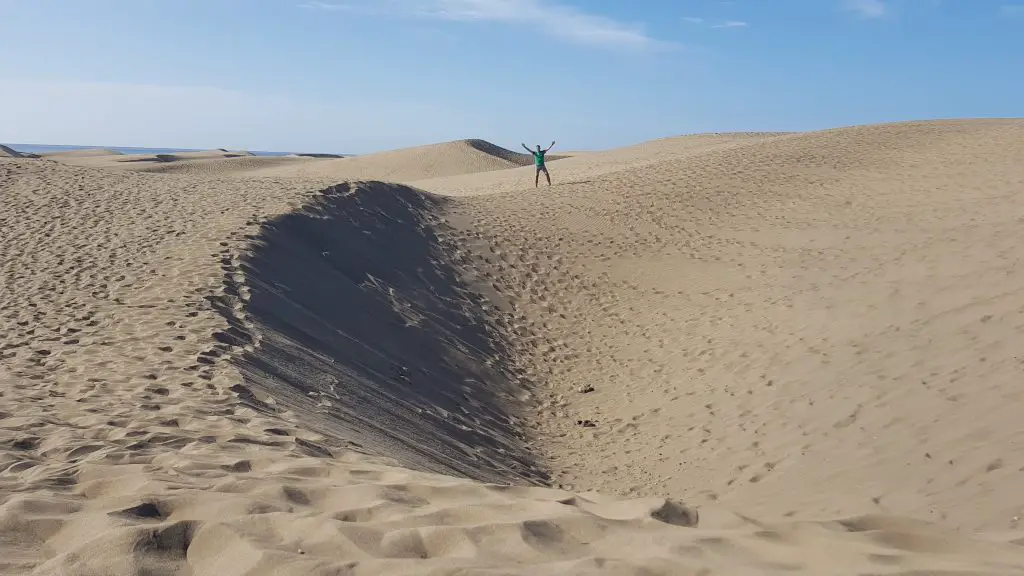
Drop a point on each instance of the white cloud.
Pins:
(693, 20)
(558, 20)
(867, 8)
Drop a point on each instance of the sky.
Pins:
(358, 76)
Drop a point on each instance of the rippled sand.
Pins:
(714, 354)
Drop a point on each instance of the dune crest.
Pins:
(409, 164)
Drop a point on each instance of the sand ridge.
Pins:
(185, 359)
(418, 162)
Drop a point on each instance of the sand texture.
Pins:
(714, 354)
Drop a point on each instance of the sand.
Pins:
(419, 162)
(456, 158)
(81, 153)
(712, 354)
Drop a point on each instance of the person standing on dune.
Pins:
(538, 161)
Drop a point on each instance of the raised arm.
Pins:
(526, 147)
(550, 147)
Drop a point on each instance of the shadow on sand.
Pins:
(366, 333)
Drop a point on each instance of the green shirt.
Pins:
(538, 157)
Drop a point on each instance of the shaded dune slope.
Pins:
(364, 327)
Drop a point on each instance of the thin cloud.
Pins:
(867, 8)
(725, 24)
(561, 21)
(325, 6)
(1012, 9)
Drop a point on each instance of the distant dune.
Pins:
(210, 162)
(436, 165)
(407, 164)
(318, 155)
(737, 354)
(430, 161)
(184, 156)
(85, 153)
(228, 165)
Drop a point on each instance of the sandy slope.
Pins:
(831, 309)
(204, 375)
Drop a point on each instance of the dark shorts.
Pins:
(542, 168)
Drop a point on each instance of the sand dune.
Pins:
(392, 354)
(834, 308)
(584, 168)
(408, 164)
(218, 154)
(214, 166)
(84, 153)
(430, 161)
(437, 166)
(202, 155)
(269, 375)
(318, 155)
(212, 163)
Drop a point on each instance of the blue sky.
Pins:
(357, 76)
